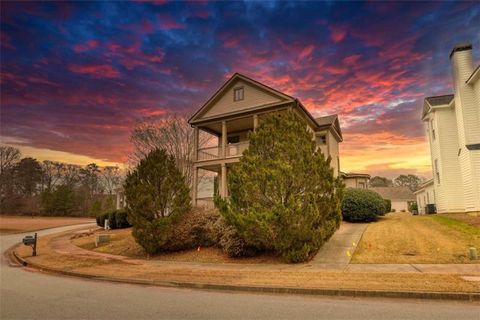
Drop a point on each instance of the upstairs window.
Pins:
(238, 94)
(437, 171)
(322, 139)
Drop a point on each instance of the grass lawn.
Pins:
(403, 238)
(19, 224)
(122, 243)
(267, 275)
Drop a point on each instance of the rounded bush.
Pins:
(388, 205)
(360, 205)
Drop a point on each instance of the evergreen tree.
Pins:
(156, 194)
(283, 195)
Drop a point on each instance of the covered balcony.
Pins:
(220, 155)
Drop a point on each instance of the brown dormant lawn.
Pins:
(122, 243)
(19, 224)
(273, 275)
(404, 238)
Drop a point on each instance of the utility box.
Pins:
(430, 208)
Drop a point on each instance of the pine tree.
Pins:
(283, 194)
(156, 195)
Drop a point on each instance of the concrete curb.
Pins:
(462, 296)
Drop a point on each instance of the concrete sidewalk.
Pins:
(338, 251)
(335, 249)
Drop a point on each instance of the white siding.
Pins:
(450, 190)
(424, 197)
(334, 153)
(468, 120)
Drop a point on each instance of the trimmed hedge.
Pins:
(388, 205)
(361, 205)
(117, 219)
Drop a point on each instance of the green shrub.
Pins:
(117, 219)
(157, 195)
(101, 219)
(388, 205)
(361, 205)
(413, 206)
(121, 219)
(283, 195)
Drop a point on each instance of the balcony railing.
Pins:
(236, 149)
(210, 153)
(213, 153)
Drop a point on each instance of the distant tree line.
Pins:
(410, 181)
(28, 186)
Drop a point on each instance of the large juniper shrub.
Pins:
(157, 195)
(283, 194)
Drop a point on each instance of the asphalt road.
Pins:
(33, 295)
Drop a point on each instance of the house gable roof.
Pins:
(395, 193)
(268, 94)
(330, 121)
(436, 101)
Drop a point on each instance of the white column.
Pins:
(195, 186)
(118, 200)
(223, 185)
(224, 139)
(255, 121)
(195, 144)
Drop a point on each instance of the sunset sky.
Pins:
(75, 77)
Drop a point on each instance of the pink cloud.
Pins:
(307, 51)
(337, 32)
(166, 22)
(95, 70)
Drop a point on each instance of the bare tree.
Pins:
(111, 178)
(9, 157)
(52, 174)
(172, 134)
(70, 174)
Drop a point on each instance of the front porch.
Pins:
(232, 137)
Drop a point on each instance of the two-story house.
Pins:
(237, 108)
(453, 129)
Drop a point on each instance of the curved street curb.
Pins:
(462, 296)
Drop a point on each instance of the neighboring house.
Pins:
(237, 108)
(425, 195)
(453, 130)
(355, 180)
(400, 197)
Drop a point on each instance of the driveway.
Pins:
(338, 251)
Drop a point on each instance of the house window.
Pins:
(238, 94)
(233, 139)
(322, 139)
(433, 130)
(361, 185)
(437, 171)
(428, 198)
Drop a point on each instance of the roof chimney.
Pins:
(462, 64)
